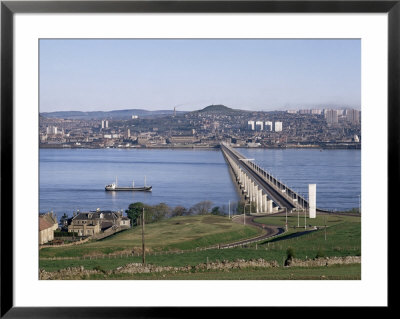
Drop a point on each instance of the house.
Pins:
(47, 225)
(94, 222)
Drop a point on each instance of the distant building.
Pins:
(135, 117)
(278, 126)
(215, 126)
(52, 130)
(292, 111)
(250, 125)
(268, 126)
(182, 139)
(259, 126)
(353, 116)
(316, 111)
(104, 124)
(47, 225)
(331, 116)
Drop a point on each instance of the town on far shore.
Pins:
(205, 128)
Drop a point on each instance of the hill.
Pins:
(219, 108)
(177, 233)
(100, 115)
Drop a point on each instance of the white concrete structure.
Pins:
(278, 126)
(104, 124)
(312, 200)
(269, 207)
(250, 125)
(52, 130)
(331, 116)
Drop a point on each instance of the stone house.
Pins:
(91, 223)
(47, 225)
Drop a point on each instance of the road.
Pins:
(268, 231)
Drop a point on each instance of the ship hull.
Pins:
(142, 189)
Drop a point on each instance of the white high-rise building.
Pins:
(259, 125)
(268, 126)
(51, 130)
(250, 125)
(278, 126)
(353, 116)
(331, 116)
(104, 124)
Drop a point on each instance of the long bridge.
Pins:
(258, 186)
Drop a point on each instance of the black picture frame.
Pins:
(9, 8)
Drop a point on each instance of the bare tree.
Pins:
(201, 208)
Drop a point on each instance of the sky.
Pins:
(189, 74)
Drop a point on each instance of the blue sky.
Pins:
(251, 74)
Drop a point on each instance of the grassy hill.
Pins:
(219, 108)
(343, 238)
(178, 233)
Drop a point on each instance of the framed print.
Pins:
(164, 155)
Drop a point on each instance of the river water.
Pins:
(72, 179)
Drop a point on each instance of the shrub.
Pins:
(290, 255)
(99, 268)
(320, 253)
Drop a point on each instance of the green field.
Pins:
(343, 238)
(174, 234)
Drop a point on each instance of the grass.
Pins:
(343, 238)
(178, 233)
(334, 272)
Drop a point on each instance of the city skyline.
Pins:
(160, 74)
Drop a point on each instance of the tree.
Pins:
(217, 211)
(241, 206)
(201, 208)
(178, 211)
(64, 220)
(290, 255)
(159, 212)
(134, 211)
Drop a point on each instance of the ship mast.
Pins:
(145, 181)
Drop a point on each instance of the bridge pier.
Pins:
(264, 203)
(259, 201)
(259, 186)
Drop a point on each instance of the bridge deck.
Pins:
(280, 193)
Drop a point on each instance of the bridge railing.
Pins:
(271, 180)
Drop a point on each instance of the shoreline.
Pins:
(324, 147)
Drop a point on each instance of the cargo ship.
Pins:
(115, 187)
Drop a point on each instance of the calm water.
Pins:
(72, 179)
(75, 178)
(337, 173)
